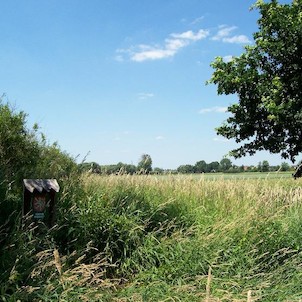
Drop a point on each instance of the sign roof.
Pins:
(41, 184)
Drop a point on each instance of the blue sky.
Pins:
(119, 78)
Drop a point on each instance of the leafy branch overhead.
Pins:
(267, 79)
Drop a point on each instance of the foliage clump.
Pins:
(24, 153)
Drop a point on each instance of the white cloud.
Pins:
(159, 137)
(145, 95)
(241, 39)
(154, 54)
(172, 45)
(201, 34)
(224, 31)
(175, 44)
(224, 35)
(213, 109)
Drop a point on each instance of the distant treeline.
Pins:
(145, 167)
(226, 166)
(119, 168)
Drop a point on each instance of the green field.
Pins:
(243, 175)
(205, 237)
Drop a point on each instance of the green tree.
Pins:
(225, 164)
(285, 167)
(158, 170)
(54, 163)
(213, 166)
(201, 166)
(267, 79)
(19, 147)
(186, 169)
(145, 164)
(265, 166)
(130, 169)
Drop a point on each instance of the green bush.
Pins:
(24, 153)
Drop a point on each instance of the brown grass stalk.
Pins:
(208, 286)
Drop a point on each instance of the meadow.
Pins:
(235, 176)
(162, 238)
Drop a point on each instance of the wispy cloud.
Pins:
(240, 39)
(170, 47)
(145, 95)
(224, 31)
(190, 35)
(160, 138)
(197, 20)
(224, 35)
(177, 41)
(213, 109)
(192, 22)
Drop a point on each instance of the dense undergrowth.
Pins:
(142, 238)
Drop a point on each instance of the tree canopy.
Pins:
(267, 78)
(225, 164)
(145, 164)
(19, 149)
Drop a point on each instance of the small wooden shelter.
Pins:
(39, 196)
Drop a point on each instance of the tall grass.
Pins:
(143, 238)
